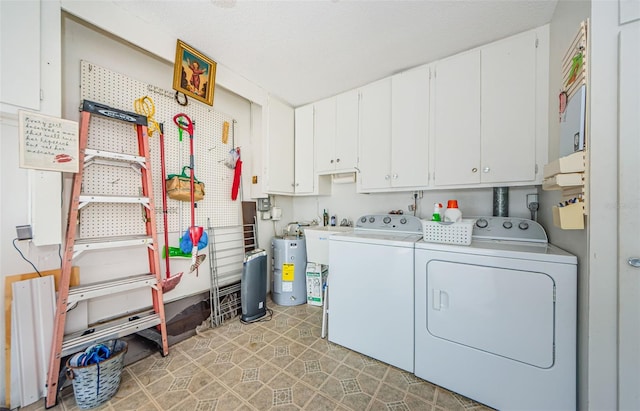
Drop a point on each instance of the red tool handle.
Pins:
(188, 127)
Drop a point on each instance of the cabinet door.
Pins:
(457, 119)
(346, 141)
(325, 135)
(280, 161)
(410, 128)
(508, 97)
(303, 148)
(374, 142)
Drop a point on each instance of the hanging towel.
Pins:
(236, 180)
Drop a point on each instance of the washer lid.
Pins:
(377, 237)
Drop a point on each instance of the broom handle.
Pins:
(191, 176)
(164, 201)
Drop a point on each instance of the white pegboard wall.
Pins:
(118, 91)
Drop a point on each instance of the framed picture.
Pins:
(194, 74)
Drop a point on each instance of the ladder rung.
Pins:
(115, 329)
(85, 244)
(90, 154)
(85, 199)
(101, 288)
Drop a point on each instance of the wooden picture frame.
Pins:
(194, 74)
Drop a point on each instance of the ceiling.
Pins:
(305, 50)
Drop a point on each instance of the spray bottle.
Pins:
(437, 207)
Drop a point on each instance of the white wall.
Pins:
(563, 28)
(603, 228)
(60, 97)
(344, 202)
(596, 246)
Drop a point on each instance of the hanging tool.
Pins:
(236, 177)
(169, 283)
(144, 105)
(184, 123)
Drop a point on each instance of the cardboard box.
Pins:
(316, 279)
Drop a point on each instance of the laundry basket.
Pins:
(448, 233)
(95, 384)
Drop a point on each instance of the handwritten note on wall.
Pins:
(48, 143)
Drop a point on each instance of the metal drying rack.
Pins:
(227, 248)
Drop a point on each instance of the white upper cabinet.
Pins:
(508, 101)
(394, 142)
(336, 133)
(280, 160)
(487, 114)
(325, 135)
(410, 128)
(303, 148)
(457, 119)
(374, 143)
(20, 58)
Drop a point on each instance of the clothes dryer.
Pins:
(496, 320)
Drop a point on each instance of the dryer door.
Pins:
(503, 311)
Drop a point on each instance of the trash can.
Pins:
(95, 384)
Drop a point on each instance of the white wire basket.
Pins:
(448, 233)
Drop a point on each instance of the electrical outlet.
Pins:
(24, 232)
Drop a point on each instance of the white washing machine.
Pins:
(496, 320)
(370, 288)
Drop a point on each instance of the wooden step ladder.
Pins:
(63, 345)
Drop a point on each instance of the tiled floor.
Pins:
(281, 364)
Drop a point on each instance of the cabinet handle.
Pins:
(486, 170)
(386, 177)
(331, 161)
(297, 184)
(395, 176)
(474, 170)
(338, 160)
(634, 262)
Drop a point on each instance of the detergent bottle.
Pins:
(452, 213)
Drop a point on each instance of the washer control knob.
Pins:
(403, 220)
(523, 225)
(386, 220)
(482, 223)
(363, 220)
(372, 219)
(507, 224)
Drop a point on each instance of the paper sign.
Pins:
(48, 143)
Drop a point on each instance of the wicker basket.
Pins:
(95, 384)
(448, 233)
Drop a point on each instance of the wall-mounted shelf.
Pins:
(573, 163)
(560, 181)
(569, 217)
(570, 173)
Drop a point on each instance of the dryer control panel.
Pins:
(508, 228)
